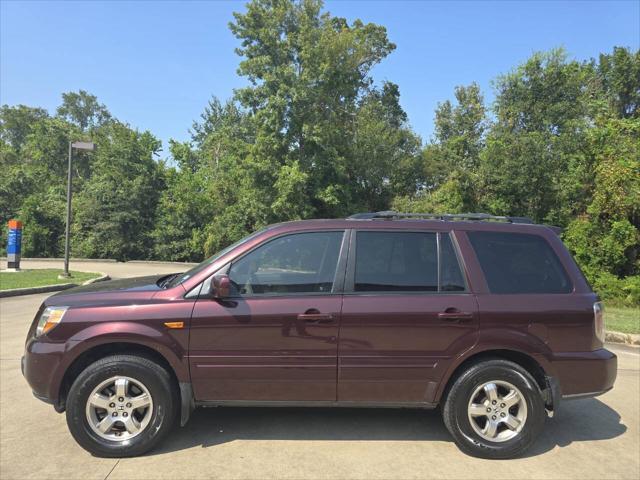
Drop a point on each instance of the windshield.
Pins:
(181, 277)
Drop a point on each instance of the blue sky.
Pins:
(155, 64)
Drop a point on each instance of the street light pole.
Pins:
(67, 234)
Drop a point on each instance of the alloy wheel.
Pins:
(497, 411)
(119, 408)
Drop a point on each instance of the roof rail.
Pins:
(391, 215)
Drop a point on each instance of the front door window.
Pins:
(293, 264)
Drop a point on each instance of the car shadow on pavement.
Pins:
(579, 420)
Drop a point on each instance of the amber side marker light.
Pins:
(174, 324)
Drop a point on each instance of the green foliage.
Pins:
(606, 237)
(313, 135)
(563, 149)
(115, 188)
(16, 123)
(115, 209)
(631, 290)
(538, 139)
(43, 215)
(315, 112)
(83, 109)
(619, 78)
(182, 211)
(618, 291)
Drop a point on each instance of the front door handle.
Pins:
(455, 316)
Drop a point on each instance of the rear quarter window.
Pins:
(519, 263)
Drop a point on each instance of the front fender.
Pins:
(172, 345)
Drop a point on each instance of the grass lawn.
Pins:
(40, 277)
(622, 319)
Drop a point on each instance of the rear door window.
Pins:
(405, 262)
(519, 263)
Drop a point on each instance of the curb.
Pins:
(51, 259)
(619, 337)
(99, 260)
(50, 288)
(161, 262)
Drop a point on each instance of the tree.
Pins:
(183, 209)
(83, 109)
(16, 123)
(459, 129)
(115, 211)
(451, 160)
(33, 149)
(606, 237)
(535, 151)
(384, 157)
(308, 72)
(619, 76)
(310, 136)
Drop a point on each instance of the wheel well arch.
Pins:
(527, 362)
(97, 352)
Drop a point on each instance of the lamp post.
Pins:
(87, 146)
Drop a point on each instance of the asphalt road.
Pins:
(593, 438)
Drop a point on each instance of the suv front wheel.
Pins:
(494, 410)
(121, 406)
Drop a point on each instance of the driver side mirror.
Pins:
(220, 286)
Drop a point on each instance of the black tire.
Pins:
(160, 386)
(456, 417)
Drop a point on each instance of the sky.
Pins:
(155, 64)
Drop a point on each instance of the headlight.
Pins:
(49, 319)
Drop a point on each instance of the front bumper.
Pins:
(40, 366)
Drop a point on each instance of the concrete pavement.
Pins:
(592, 438)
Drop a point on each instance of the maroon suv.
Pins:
(488, 317)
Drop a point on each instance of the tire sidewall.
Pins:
(458, 402)
(155, 380)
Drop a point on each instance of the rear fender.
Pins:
(513, 340)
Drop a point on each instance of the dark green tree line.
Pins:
(313, 135)
(115, 190)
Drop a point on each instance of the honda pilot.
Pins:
(488, 318)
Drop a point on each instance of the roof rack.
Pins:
(391, 215)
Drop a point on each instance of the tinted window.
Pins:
(201, 266)
(519, 263)
(396, 261)
(451, 279)
(299, 263)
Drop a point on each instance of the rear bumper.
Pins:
(585, 374)
(577, 396)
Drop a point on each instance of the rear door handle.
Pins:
(455, 316)
(316, 317)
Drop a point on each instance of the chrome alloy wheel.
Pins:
(497, 411)
(119, 408)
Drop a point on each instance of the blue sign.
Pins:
(14, 244)
(15, 241)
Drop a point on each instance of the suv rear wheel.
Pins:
(121, 405)
(494, 410)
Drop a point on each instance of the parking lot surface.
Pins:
(589, 439)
